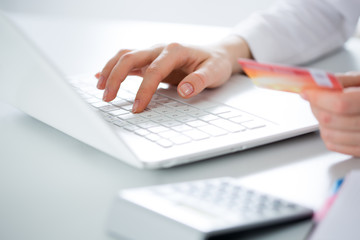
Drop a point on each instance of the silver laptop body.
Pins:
(30, 82)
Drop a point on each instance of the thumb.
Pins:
(192, 84)
(211, 74)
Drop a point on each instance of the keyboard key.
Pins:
(119, 122)
(163, 110)
(158, 97)
(149, 114)
(186, 118)
(158, 129)
(196, 134)
(108, 108)
(228, 125)
(176, 114)
(254, 124)
(128, 116)
(118, 111)
(163, 100)
(171, 123)
(219, 109)
(167, 121)
(180, 139)
(109, 118)
(127, 107)
(168, 134)
(119, 102)
(161, 119)
(242, 118)
(141, 132)
(147, 124)
(153, 105)
(100, 104)
(131, 127)
(197, 123)
(91, 100)
(137, 120)
(152, 137)
(232, 113)
(208, 117)
(186, 109)
(198, 113)
(213, 130)
(182, 128)
(174, 104)
(164, 143)
(98, 94)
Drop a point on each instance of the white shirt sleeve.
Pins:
(297, 31)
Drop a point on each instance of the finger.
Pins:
(176, 76)
(337, 121)
(345, 149)
(128, 63)
(138, 71)
(171, 58)
(349, 79)
(340, 137)
(211, 73)
(104, 74)
(346, 102)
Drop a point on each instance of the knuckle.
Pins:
(342, 106)
(325, 118)
(126, 57)
(154, 70)
(326, 135)
(122, 52)
(106, 70)
(200, 80)
(174, 46)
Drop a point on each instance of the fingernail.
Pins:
(186, 89)
(97, 75)
(105, 94)
(135, 106)
(100, 82)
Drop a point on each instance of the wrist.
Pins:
(235, 47)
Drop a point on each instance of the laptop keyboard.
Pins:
(169, 122)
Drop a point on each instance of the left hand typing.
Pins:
(338, 114)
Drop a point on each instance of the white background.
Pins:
(205, 12)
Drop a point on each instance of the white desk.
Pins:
(55, 187)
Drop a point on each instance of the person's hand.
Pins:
(338, 113)
(192, 68)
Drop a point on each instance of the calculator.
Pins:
(197, 210)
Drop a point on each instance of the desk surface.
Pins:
(55, 187)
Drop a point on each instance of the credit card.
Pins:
(286, 78)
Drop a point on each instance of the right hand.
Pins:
(338, 113)
(192, 68)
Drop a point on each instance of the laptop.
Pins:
(172, 130)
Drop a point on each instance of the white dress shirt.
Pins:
(297, 31)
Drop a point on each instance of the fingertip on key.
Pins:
(135, 108)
